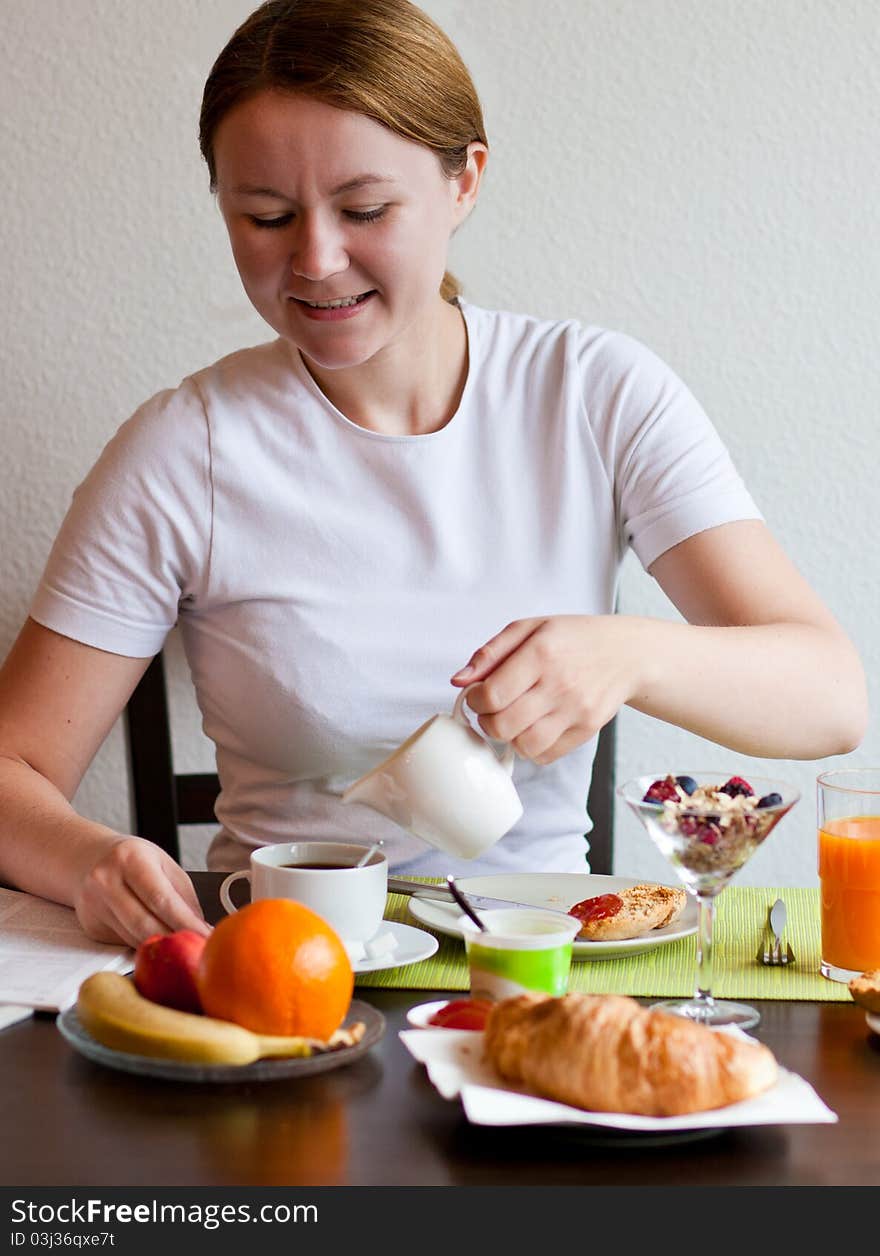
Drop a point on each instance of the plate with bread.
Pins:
(865, 990)
(620, 916)
(609, 1061)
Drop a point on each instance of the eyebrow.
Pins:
(350, 185)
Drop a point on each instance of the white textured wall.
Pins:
(700, 173)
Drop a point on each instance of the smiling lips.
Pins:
(340, 308)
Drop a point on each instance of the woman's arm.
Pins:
(58, 701)
(761, 665)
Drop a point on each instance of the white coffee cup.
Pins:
(445, 784)
(350, 899)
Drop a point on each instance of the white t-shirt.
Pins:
(328, 580)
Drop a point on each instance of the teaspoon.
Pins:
(464, 904)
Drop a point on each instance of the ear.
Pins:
(467, 184)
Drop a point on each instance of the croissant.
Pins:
(607, 1053)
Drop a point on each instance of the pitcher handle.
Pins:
(225, 887)
(507, 758)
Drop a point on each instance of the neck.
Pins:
(413, 386)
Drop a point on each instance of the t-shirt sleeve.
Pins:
(134, 547)
(671, 474)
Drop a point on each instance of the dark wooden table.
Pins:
(380, 1121)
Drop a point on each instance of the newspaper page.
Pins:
(44, 954)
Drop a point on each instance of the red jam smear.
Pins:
(603, 907)
(462, 1014)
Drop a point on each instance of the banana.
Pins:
(112, 1010)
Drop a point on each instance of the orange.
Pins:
(276, 967)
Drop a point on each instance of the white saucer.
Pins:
(412, 945)
(873, 1019)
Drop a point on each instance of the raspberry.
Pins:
(709, 833)
(662, 791)
(735, 787)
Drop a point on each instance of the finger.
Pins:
(509, 722)
(99, 928)
(160, 900)
(538, 739)
(131, 922)
(563, 744)
(185, 888)
(135, 920)
(519, 679)
(120, 920)
(495, 651)
(138, 890)
(138, 896)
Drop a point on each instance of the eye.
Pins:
(270, 223)
(366, 215)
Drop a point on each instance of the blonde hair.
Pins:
(385, 59)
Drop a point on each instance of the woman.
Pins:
(399, 484)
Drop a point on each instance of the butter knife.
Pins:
(441, 894)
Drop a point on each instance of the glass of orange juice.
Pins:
(848, 803)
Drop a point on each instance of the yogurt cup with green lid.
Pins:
(523, 949)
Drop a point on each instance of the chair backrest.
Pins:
(162, 799)
(600, 803)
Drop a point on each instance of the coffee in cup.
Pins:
(322, 876)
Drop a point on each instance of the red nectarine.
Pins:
(165, 967)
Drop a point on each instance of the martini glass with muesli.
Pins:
(708, 826)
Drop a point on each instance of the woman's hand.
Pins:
(547, 685)
(761, 666)
(135, 889)
(58, 700)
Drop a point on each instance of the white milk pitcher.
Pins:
(446, 785)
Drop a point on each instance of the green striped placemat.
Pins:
(667, 970)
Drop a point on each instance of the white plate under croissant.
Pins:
(539, 1059)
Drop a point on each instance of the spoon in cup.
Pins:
(464, 904)
(369, 853)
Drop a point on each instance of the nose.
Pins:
(318, 248)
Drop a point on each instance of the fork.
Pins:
(770, 950)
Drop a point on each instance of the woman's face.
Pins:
(323, 205)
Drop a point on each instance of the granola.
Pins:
(710, 831)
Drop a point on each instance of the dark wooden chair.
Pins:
(600, 802)
(163, 800)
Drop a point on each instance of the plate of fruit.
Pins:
(266, 997)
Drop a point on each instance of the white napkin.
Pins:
(11, 1014)
(456, 1065)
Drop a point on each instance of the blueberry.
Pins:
(687, 783)
(769, 800)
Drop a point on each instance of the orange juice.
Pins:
(849, 871)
